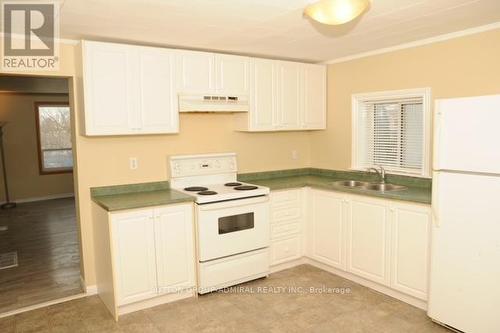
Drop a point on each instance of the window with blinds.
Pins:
(391, 132)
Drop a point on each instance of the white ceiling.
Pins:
(273, 28)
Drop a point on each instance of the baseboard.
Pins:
(47, 197)
(42, 305)
(287, 265)
(421, 304)
(89, 290)
(124, 309)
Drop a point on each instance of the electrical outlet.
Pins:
(295, 155)
(134, 164)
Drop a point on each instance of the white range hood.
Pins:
(213, 103)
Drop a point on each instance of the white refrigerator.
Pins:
(464, 291)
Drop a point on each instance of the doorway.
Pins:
(39, 243)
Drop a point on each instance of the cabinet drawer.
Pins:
(285, 213)
(289, 198)
(285, 250)
(285, 229)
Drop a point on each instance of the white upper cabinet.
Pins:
(158, 100)
(108, 88)
(285, 96)
(135, 90)
(314, 81)
(232, 74)
(263, 109)
(289, 95)
(195, 72)
(128, 90)
(208, 73)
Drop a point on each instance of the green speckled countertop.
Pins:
(419, 189)
(121, 197)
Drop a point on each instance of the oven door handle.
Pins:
(233, 203)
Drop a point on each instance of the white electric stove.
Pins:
(232, 219)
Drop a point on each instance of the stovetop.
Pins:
(206, 193)
(210, 178)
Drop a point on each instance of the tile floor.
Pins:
(361, 310)
(45, 235)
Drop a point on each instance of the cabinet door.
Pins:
(175, 247)
(289, 95)
(327, 228)
(232, 74)
(134, 255)
(368, 240)
(410, 249)
(195, 72)
(110, 91)
(285, 249)
(263, 95)
(314, 113)
(158, 99)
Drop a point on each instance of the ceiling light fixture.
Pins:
(334, 12)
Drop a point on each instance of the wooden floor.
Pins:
(44, 234)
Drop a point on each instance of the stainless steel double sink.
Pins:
(377, 187)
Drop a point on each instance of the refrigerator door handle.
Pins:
(438, 114)
(434, 203)
(435, 218)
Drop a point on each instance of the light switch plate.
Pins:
(133, 162)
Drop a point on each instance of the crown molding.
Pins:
(421, 42)
(58, 40)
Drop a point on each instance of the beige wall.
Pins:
(466, 66)
(21, 150)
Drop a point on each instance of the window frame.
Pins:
(358, 101)
(41, 169)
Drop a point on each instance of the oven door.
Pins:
(232, 227)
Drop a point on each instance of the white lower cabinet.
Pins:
(380, 240)
(369, 239)
(134, 255)
(285, 249)
(174, 239)
(410, 249)
(326, 228)
(153, 252)
(286, 217)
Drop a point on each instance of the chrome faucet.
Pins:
(380, 173)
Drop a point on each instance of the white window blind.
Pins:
(391, 133)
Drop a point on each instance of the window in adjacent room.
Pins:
(54, 137)
(392, 129)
